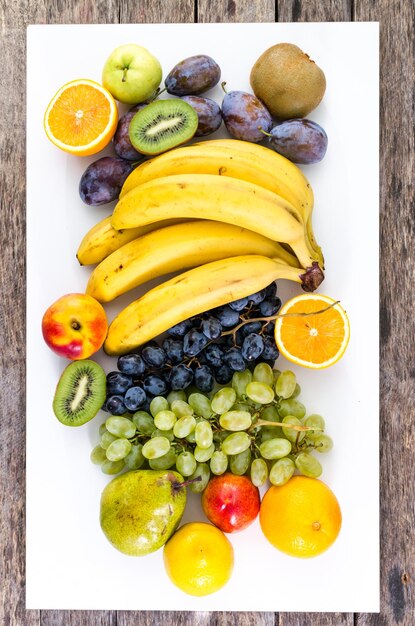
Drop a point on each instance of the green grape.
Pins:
(120, 426)
(259, 472)
(275, 448)
(323, 443)
(276, 373)
(308, 465)
(186, 463)
(297, 391)
(220, 435)
(241, 406)
(314, 421)
(134, 459)
(260, 392)
(239, 463)
(281, 471)
(200, 404)
(112, 467)
(168, 434)
(291, 407)
(144, 422)
(270, 432)
(203, 454)
(239, 382)
(218, 463)
(203, 434)
(118, 449)
(163, 462)
(165, 420)
(184, 426)
(155, 447)
(176, 395)
(236, 443)
(158, 404)
(285, 384)
(203, 471)
(290, 433)
(270, 413)
(263, 374)
(98, 455)
(235, 420)
(106, 439)
(191, 437)
(223, 400)
(102, 429)
(181, 408)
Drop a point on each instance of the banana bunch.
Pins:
(237, 214)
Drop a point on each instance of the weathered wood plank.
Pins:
(314, 11)
(235, 11)
(201, 618)
(150, 12)
(397, 238)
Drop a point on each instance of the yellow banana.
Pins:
(238, 159)
(218, 198)
(175, 248)
(102, 239)
(195, 291)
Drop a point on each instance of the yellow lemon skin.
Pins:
(199, 558)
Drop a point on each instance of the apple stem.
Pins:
(124, 76)
(76, 325)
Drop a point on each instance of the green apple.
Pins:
(131, 74)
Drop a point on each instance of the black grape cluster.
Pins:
(199, 351)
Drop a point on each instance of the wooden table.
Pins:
(397, 222)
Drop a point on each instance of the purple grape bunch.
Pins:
(199, 351)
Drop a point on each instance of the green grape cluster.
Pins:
(255, 426)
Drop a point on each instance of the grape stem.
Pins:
(271, 318)
(283, 424)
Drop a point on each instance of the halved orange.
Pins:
(81, 118)
(313, 331)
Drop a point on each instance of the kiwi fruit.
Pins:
(287, 81)
(162, 125)
(80, 393)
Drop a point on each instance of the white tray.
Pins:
(70, 564)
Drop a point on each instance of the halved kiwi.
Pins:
(80, 392)
(162, 125)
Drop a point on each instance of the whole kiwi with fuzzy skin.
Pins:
(288, 82)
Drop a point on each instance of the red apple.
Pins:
(231, 502)
(75, 326)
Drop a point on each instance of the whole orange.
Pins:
(301, 518)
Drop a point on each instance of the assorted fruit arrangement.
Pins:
(194, 401)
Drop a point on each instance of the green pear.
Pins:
(141, 509)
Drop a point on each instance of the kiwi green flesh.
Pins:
(80, 393)
(162, 125)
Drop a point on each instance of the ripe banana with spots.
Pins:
(219, 198)
(195, 291)
(238, 159)
(102, 239)
(176, 248)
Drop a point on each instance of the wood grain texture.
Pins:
(397, 239)
(235, 11)
(397, 302)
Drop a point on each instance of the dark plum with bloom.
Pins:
(103, 179)
(208, 112)
(193, 76)
(300, 140)
(244, 116)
